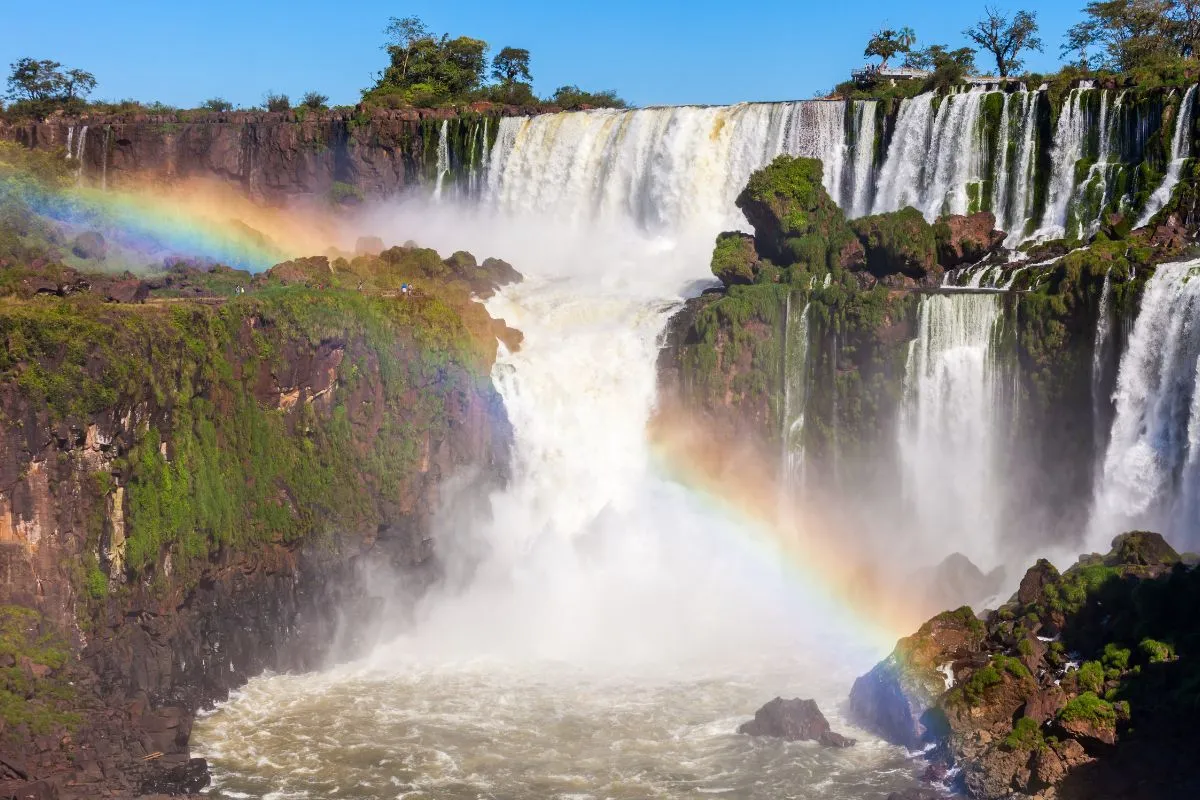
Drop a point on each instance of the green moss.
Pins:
(1089, 708)
(1156, 652)
(30, 705)
(1091, 676)
(1025, 735)
(1115, 658)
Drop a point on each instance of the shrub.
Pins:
(1156, 652)
(1025, 735)
(1088, 707)
(276, 102)
(1115, 657)
(1091, 676)
(314, 101)
(217, 104)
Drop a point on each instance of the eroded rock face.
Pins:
(899, 243)
(966, 239)
(1070, 690)
(794, 720)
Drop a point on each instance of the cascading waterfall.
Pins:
(864, 158)
(1018, 202)
(443, 159)
(1151, 473)
(665, 166)
(1069, 138)
(1181, 143)
(104, 161)
(70, 136)
(950, 442)
(795, 396)
(80, 153)
(1099, 349)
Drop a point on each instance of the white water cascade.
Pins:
(443, 159)
(951, 424)
(1150, 476)
(934, 155)
(1069, 138)
(795, 396)
(1099, 350)
(666, 167)
(617, 625)
(1015, 211)
(1181, 143)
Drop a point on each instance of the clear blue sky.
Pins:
(651, 52)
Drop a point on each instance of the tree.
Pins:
(314, 100)
(78, 84)
(570, 98)
(1126, 34)
(938, 58)
(1006, 39)
(38, 86)
(885, 44)
(403, 33)
(906, 38)
(510, 67)
(276, 102)
(217, 104)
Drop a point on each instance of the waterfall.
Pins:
(1015, 223)
(443, 158)
(1099, 345)
(1181, 143)
(933, 156)
(1150, 477)
(70, 136)
(79, 154)
(1000, 159)
(950, 424)
(795, 395)
(864, 158)
(104, 161)
(678, 165)
(1069, 138)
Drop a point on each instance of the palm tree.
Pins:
(906, 38)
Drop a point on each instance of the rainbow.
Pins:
(877, 606)
(153, 226)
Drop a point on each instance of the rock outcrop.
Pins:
(192, 489)
(1078, 687)
(794, 720)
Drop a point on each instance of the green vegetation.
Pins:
(1091, 676)
(1090, 709)
(40, 87)
(1156, 652)
(1025, 735)
(30, 704)
(1005, 39)
(429, 70)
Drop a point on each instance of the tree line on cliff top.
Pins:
(423, 70)
(1150, 40)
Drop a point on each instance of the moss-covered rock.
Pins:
(795, 220)
(735, 259)
(899, 243)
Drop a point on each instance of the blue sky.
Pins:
(650, 52)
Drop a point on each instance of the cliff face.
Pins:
(272, 157)
(188, 490)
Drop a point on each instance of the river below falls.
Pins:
(483, 730)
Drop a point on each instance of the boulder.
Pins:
(795, 220)
(90, 245)
(186, 778)
(966, 239)
(794, 720)
(735, 259)
(1142, 549)
(1033, 585)
(899, 243)
(898, 698)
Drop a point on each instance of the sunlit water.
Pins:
(485, 732)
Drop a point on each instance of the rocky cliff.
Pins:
(1082, 685)
(345, 156)
(191, 487)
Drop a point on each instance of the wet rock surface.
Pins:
(1070, 690)
(794, 720)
